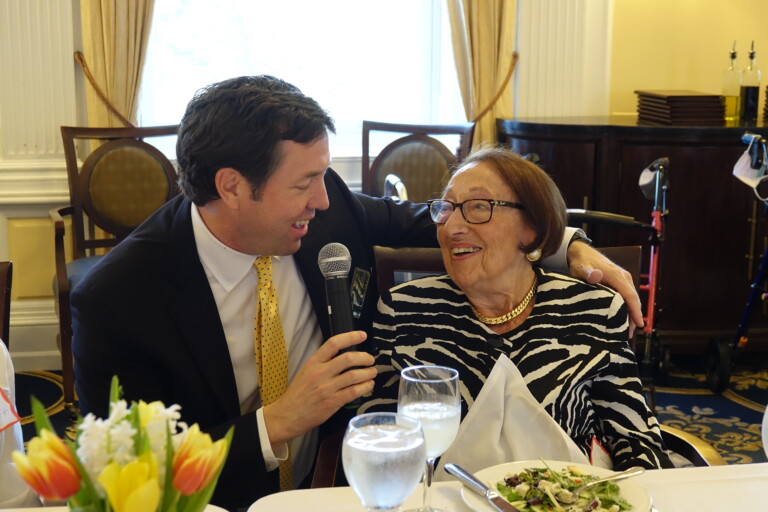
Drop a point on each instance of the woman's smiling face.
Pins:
(483, 257)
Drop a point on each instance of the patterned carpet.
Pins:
(730, 422)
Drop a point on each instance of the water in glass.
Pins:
(383, 456)
(439, 421)
(431, 395)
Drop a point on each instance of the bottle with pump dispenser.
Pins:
(732, 88)
(750, 88)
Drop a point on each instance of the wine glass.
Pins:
(383, 456)
(431, 395)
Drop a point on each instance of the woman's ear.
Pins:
(527, 235)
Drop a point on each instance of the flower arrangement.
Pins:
(139, 459)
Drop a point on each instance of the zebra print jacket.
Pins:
(572, 351)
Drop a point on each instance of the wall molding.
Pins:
(33, 182)
(34, 327)
(34, 312)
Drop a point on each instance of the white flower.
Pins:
(121, 443)
(102, 441)
(163, 420)
(92, 446)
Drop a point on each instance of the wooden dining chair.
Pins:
(397, 265)
(418, 157)
(694, 449)
(121, 181)
(6, 278)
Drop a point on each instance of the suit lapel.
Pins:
(194, 311)
(339, 223)
(306, 261)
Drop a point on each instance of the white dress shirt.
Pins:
(234, 282)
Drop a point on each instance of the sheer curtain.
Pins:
(483, 41)
(115, 35)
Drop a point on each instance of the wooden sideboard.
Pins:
(715, 231)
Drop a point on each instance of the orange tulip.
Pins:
(49, 467)
(197, 461)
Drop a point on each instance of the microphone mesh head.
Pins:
(334, 260)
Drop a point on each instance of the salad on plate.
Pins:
(543, 489)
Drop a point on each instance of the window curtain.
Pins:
(115, 35)
(482, 32)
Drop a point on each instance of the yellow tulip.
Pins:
(134, 487)
(197, 461)
(49, 467)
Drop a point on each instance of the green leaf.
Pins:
(42, 421)
(140, 441)
(508, 493)
(115, 392)
(170, 495)
(197, 502)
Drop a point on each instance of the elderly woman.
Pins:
(499, 215)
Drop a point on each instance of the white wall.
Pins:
(564, 67)
(37, 95)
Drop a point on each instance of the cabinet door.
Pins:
(704, 272)
(571, 164)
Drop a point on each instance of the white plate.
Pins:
(630, 491)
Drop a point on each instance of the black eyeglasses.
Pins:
(475, 211)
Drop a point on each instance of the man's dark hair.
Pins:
(239, 123)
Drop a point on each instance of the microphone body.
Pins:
(339, 304)
(335, 261)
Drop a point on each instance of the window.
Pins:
(360, 59)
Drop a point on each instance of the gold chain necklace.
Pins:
(488, 320)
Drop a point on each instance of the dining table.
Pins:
(699, 489)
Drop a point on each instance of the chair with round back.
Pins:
(119, 184)
(418, 156)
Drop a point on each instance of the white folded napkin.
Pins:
(505, 424)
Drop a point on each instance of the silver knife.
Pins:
(469, 480)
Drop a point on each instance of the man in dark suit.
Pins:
(170, 309)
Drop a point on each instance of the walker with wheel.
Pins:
(751, 170)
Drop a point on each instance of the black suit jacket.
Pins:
(146, 313)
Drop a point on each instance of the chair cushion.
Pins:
(76, 270)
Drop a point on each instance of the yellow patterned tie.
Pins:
(271, 354)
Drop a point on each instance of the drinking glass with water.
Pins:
(383, 455)
(431, 395)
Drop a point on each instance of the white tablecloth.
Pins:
(717, 488)
(700, 489)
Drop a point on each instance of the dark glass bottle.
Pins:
(750, 88)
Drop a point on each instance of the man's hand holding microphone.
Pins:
(336, 374)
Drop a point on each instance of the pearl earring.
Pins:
(534, 255)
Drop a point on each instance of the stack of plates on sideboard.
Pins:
(680, 107)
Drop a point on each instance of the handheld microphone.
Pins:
(335, 261)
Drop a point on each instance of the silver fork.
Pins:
(565, 498)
